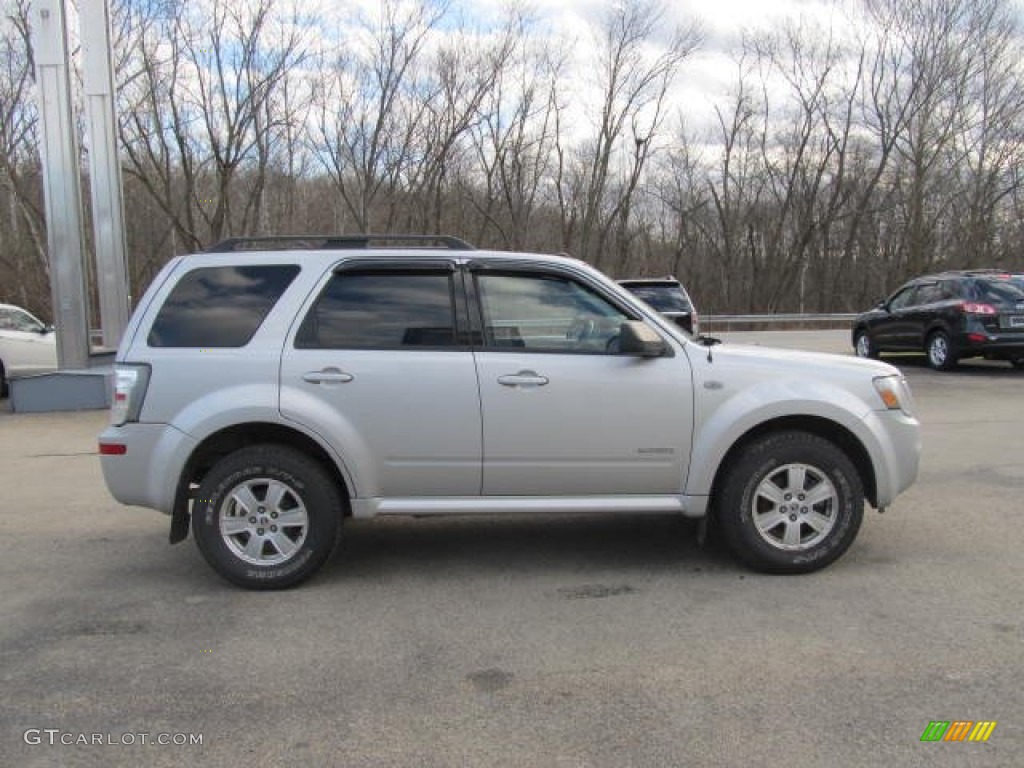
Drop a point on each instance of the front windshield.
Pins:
(664, 298)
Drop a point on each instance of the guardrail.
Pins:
(780, 321)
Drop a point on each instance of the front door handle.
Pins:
(327, 376)
(523, 379)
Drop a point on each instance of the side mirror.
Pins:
(45, 329)
(880, 304)
(640, 340)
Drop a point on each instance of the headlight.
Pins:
(894, 393)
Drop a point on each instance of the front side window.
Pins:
(382, 310)
(903, 299)
(17, 320)
(220, 306)
(546, 313)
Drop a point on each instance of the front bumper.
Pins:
(898, 443)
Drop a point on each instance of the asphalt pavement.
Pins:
(566, 642)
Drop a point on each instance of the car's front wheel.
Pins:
(864, 346)
(941, 355)
(790, 502)
(267, 517)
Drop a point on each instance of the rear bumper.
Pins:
(994, 345)
(146, 474)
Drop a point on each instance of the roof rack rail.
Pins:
(331, 242)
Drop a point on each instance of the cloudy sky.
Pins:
(710, 74)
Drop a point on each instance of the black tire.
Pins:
(863, 345)
(818, 532)
(940, 351)
(254, 551)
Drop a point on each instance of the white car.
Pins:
(27, 345)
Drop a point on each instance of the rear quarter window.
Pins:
(219, 306)
(997, 292)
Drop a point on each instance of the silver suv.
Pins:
(267, 389)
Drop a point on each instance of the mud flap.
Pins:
(180, 517)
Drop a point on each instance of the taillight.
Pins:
(977, 308)
(130, 383)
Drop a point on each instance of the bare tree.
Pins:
(514, 142)
(198, 116)
(22, 226)
(366, 116)
(633, 83)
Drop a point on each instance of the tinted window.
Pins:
(904, 298)
(997, 292)
(219, 306)
(17, 320)
(929, 293)
(381, 310)
(950, 289)
(664, 298)
(546, 313)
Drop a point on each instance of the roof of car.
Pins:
(971, 273)
(669, 280)
(338, 242)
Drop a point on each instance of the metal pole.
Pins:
(61, 185)
(104, 171)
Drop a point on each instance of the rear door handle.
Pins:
(523, 379)
(327, 376)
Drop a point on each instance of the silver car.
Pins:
(269, 389)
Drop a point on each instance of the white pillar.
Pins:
(104, 170)
(61, 184)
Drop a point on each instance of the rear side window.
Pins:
(929, 293)
(382, 310)
(220, 306)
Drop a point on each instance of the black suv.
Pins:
(948, 316)
(668, 297)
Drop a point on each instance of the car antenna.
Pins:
(708, 341)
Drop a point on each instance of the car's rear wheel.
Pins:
(790, 502)
(864, 346)
(939, 348)
(267, 517)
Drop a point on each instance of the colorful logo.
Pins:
(958, 730)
